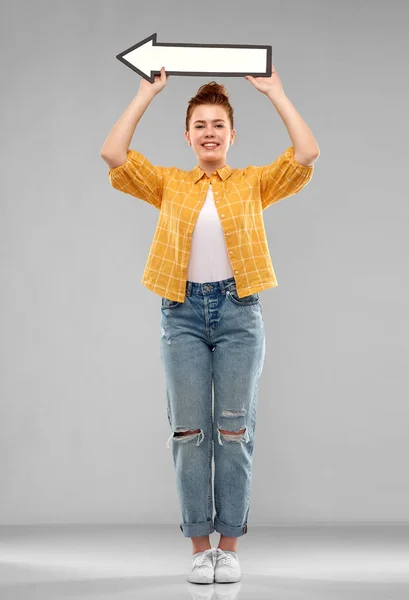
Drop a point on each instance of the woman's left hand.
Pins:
(270, 86)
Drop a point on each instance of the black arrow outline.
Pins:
(153, 37)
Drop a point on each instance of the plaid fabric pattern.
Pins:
(240, 195)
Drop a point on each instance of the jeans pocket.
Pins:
(246, 301)
(170, 303)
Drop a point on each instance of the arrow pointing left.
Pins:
(220, 60)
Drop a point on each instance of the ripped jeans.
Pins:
(212, 347)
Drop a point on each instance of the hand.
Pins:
(158, 85)
(269, 86)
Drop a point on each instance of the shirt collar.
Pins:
(197, 173)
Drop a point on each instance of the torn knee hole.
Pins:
(233, 436)
(177, 433)
(187, 435)
(227, 432)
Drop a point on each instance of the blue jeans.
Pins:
(213, 337)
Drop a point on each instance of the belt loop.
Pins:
(245, 529)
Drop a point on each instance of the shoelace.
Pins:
(204, 557)
(222, 557)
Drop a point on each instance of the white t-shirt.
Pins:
(209, 260)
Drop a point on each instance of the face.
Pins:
(210, 123)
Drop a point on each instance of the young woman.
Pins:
(208, 262)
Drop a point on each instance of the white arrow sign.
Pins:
(224, 60)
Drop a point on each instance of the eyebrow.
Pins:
(214, 120)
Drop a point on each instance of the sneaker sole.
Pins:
(202, 579)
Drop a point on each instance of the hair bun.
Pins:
(212, 87)
(212, 93)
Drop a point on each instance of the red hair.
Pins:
(210, 93)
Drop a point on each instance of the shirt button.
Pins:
(236, 271)
(222, 215)
(227, 233)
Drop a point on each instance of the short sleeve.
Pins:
(282, 178)
(139, 178)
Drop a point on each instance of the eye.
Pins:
(219, 125)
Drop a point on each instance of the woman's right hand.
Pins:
(158, 85)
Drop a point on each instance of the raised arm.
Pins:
(115, 148)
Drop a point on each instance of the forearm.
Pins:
(119, 138)
(301, 136)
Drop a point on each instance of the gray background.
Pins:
(83, 423)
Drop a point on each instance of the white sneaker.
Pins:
(227, 568)
(202, 569)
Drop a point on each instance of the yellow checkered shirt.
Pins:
(240, 196)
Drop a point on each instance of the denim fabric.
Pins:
(212, 347)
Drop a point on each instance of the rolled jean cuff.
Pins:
(197, 529)
(228, 530)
